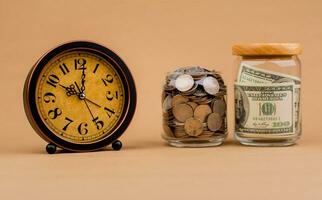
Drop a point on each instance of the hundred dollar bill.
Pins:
(257, 76)
(265, 109)
(254, 75)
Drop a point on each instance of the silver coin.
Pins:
(184, 82)
(191, 91)
(167, 103)
(200, 93)
(211, 85)
(172, 83)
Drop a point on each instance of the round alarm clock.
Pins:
(80, 96)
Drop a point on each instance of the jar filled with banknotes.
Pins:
(194, 108)
(267, 93)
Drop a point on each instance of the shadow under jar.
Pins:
(194, 108)
(267, 93)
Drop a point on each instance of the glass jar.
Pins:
(194, 108)
(267, 94)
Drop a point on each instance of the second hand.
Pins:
(85, 97)
(89, 109)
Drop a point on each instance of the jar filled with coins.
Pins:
(267, 93)
(194, 108)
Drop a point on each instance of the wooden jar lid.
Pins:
(253, 49)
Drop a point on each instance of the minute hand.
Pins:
(83, 79)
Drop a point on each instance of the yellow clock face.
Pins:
(80, 97)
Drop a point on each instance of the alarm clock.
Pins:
(80, 96)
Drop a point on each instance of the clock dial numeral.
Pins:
(53, 114)
(108, 79)
(64, 68)
(80, 64)
(53, 80)
(95, 68)
(110, 96)
(49, 97)
(82, 130)
(109, 112)
(116, 95)
(69, 122)
(99, 124)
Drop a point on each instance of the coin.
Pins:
(184, 82)
(192, 104)
(182, 112)
(167, 116)
(219, 106)
(167, 130)
(167, 103)
(211, 85)
(200, 93)
(191, 90)
(206, 134)
(178, 99)
(193, 127)
(163, 95)
(190, 96)
(201, 112)
(180, 134)
(214, 122)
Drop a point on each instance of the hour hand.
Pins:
(70, 90)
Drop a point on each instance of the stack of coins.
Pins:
(194, 104)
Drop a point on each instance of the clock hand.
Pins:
(83, 80)
(89, 109)
(65, 87)
(69, 90)
(81, 94)
(99, 124)
(79, 90)
(84, 97)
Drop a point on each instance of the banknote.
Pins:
(265, 109)
(253, 76)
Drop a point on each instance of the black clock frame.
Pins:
(129, 95)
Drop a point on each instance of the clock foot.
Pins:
(117, 145)
(51, 148)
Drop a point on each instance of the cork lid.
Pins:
(253, 49)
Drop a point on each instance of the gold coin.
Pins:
(206, 134)
(219, 106)
(180, 134)
(178, 99)
(182, 112)
(193, 127)
(201, 112)
(192, 104)
(167, 130)
(163, 95)
(214, 122)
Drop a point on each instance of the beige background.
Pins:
(154, 37)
